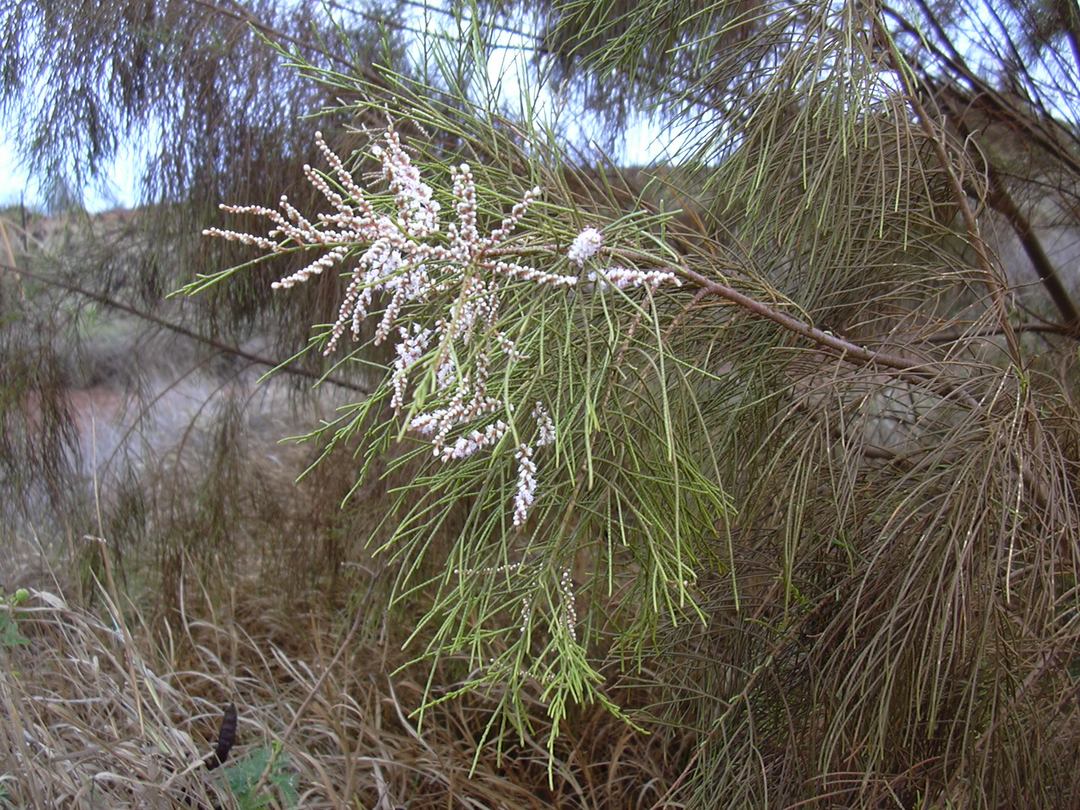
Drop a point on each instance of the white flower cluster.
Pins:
(407, 259)
(587, 244)
(623, 277)
(584, 246)
(400, 259)
(526, 486)
(568, 608)
(409, 351)
(547, 427)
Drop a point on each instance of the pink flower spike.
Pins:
(526, 485)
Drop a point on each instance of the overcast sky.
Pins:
(15, 185)
(645, 142)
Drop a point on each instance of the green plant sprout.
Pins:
(246, 779)
(9, 631)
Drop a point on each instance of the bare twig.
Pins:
(239, 12)
(180, 330)
(1038, 328)
(1002, 201)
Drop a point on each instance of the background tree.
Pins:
(194, 91)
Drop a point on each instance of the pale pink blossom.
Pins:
(623, 277)
(526, 485)
(409, 350)
(585, 246)
(401, 255)
(545, 426)
(467, 445)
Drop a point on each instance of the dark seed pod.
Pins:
(226, 739)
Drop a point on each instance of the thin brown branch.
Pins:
(180, 330)
(1002, 107)
(914, 371)
(1038, 328)
(1000, 200)
(1070, 14)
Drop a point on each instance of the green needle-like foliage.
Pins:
(625, 491)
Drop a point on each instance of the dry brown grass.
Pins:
(106, 708)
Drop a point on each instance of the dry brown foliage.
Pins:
(119, 713)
